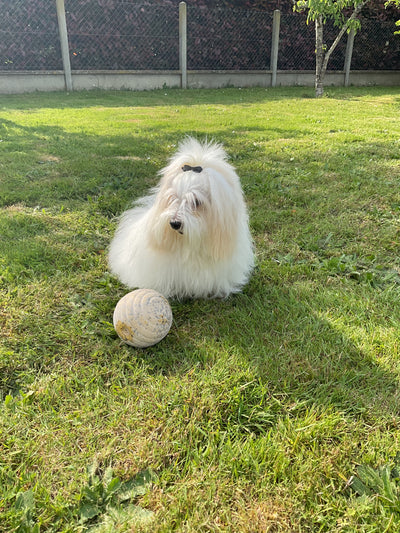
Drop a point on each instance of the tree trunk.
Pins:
(322, 56)
(319, 56)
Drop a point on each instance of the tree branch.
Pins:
(353, 16)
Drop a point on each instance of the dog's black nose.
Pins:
(175, 224)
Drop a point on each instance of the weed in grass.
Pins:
(105, 499)
(25, 505)
(379, 488)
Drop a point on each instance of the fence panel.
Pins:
(29, 36)
(228, 39)
(297, 44)
(120, 35)
(376, 47)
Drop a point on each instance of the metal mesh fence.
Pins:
(376, 47)
(297, 44)
(29, 35)
(228, 39)
(120, 35)
(123, 35)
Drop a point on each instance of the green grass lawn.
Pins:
(254, 413)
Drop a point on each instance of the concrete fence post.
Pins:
(347, 60)
(183, 43)
(62, 30)
(275, 45)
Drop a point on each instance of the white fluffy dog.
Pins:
(190, 237)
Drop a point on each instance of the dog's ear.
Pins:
(160, 236)
(222, 241)
(226, 210)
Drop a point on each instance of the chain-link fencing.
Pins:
(29, 37)
(228, 39)
(376, 47)
(123, 35)
(297, 44)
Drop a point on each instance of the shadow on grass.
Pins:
(154, 98)
(48, 167)
(275, 336)
(180, 97)
(268, 346)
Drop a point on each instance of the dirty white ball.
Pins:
(142, 318)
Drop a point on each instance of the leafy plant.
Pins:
(106, 498)
(381, 483)
(362, 270)
(25, 504)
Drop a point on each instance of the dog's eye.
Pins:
(197, 203)
(171, 199)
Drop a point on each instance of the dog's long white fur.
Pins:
(210, 252)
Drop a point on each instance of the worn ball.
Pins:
(142, 318)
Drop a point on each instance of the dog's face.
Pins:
(187, 200)
(195, 210)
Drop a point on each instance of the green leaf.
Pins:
(358, 486)
(138, 486)
(138, 514)
(114, 485)
(389, 486)
(130, 514)
(108, 475)
(370, 477)
(25, 501)
(92, 468)
(92, 495)
(88, 512)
